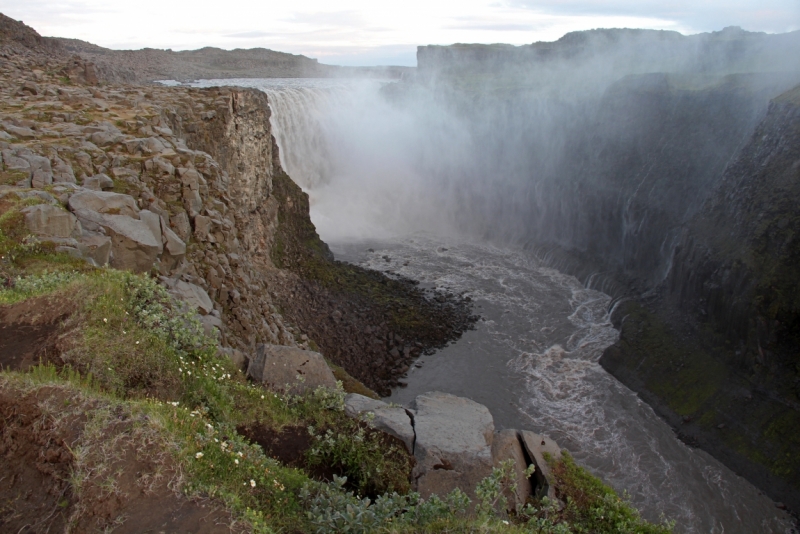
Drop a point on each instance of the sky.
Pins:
(378, 32)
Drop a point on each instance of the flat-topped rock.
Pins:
(290, 369)
(104, 202)
(453, 445)
(50, 220)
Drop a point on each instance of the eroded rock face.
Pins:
(453, 445)
(290, 369)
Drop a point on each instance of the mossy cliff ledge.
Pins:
(715, 350)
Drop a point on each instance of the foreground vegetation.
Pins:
(128, 351)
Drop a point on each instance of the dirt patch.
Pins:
(29, 330)
(289, 446)
(44, 488)
(290, 443)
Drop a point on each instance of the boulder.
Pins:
(98, 182)
(133, 245)
(239, 358)
(180, 223)
(290, 369)
(62, 172)
(172, 243)
(506, 446)
(453, 447)
(153, 222)
(393, 420)
(104, 202)
(202, 227)
(49, 220)
(96, 247)
(210, 324)
(193, 295)
(538, 447)
(41, 170)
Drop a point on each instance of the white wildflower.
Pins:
(252, 483)
(198, 455)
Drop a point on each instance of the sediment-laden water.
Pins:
(533, 359)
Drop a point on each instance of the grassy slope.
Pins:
(129, 349)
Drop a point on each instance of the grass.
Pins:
(128, 352)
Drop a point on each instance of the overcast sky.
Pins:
(384, 32)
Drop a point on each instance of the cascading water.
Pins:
(380, 183)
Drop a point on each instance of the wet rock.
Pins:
(290, 369)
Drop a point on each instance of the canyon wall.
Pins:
(668, 180)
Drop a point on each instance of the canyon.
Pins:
(657, 168)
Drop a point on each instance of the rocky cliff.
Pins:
(716, 349)
(660, 168)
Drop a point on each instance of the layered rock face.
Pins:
(186, 184)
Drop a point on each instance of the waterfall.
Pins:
(299, 127)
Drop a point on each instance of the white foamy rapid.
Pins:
(371, 172)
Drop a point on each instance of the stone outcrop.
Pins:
(289, 369)
(455, 445)
(394, 420)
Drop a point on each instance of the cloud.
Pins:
(705, 15)
(249, 35)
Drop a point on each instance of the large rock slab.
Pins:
(393, 420)
(133, 245)
(539, 448)
(506, 446)
(104, 202)
(193, 295)
(290, 369)
(49, 220)
(453, 445)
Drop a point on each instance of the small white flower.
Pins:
(240, 454)
(252, 483)
(105, 320)
(188, 372)
(137, 342)
(124, 332)
(236, 462)
(198, 455)
(262, 396)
